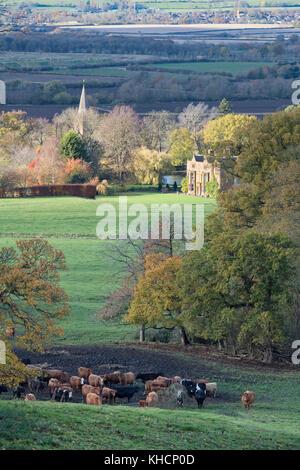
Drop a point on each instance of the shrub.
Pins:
(184, 185)
(212, 188)
(103, 188)
(79, 190)
(77, 171)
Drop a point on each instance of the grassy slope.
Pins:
(272, 424)
(70, 225)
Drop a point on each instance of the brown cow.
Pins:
(75, 382)
(176, 379)
(148, 385)
(127, 379)
(157, 388)
(57, 374)
(30, 397)
(10, 331)
(89, 389)
(84, 373)
(152, 398)
(248, 399)
(66, 386)
(164, 381)
(143, 403)
(93, 399)
(160, 383)
(52, 384)
(199, 381)
(109, 394)
(95, 380)
(113, 378)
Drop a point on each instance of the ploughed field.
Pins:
(222, 423)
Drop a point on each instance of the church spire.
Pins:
(83, 104)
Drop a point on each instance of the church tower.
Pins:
(83, 106)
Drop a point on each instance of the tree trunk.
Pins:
(183, 336)
(268, 355)
(142, 334)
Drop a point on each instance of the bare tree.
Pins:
(130, 255)
(119, 134)
(194, 118)
(157, 127)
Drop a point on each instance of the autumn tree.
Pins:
(157, 300)
(70, 119)
(31, 299)
(184, 185)
(228, 135)
(119, 134)
(182, 146)
(49, 166)
(130, 255)
(149, 166)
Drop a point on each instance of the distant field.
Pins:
(68, 63)
(184, 5)
(70, 225)
(101, 71)
(202, 67)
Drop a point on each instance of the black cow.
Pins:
(197, 390)
(62, 395)
(125, 392)
(200, 394)
(149, 376)
(190, 386)
(18, 391)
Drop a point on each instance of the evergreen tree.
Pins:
(72, 146)
(224, 107)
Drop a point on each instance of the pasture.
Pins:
(209, 67)
(69, 224)
(223, 423)
(67, 62)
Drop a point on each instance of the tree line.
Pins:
(240, 292)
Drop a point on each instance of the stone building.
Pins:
(200, 172)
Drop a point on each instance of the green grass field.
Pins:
(71, 62)
(169, 5)
(70, 225)
(209, 67)
(273, 423)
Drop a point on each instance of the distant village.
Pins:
(28, 17)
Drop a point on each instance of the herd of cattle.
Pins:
(97, 389)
